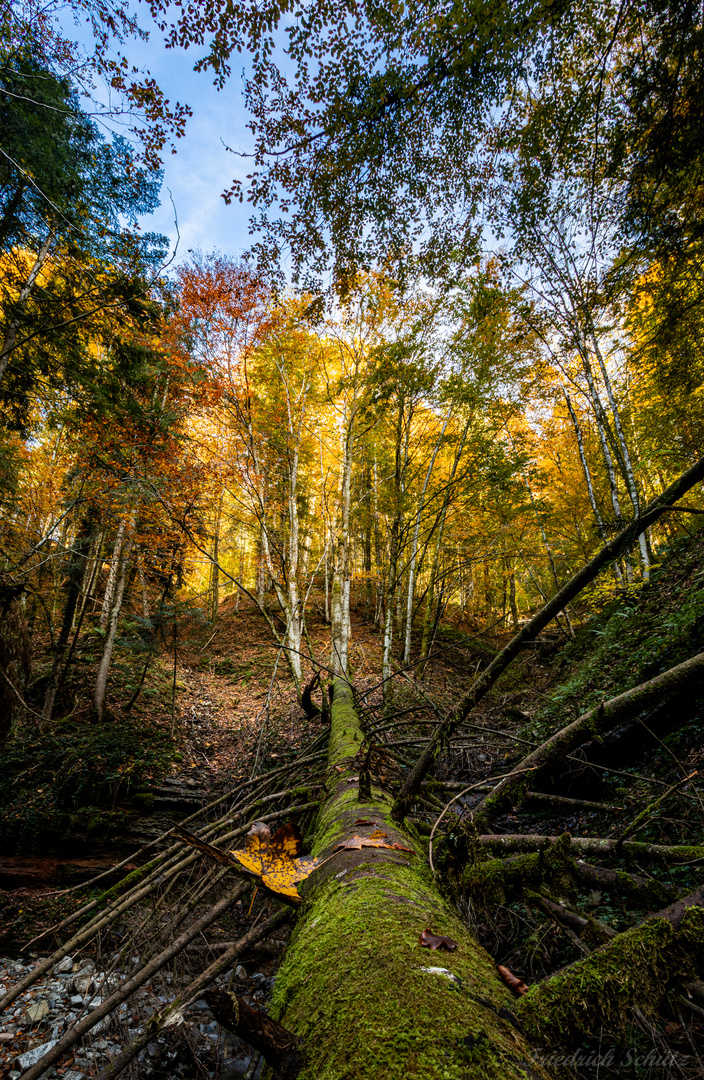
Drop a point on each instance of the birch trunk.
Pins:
(101, 681)
(625, 454)
(112, 575)
(588, 477)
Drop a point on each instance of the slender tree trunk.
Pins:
(112, 575)
(214, 567)
(414, 545)
(588, 478)
(101, 681)
(625, 454)
(77, 573)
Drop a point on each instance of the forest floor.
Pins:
(226, 710)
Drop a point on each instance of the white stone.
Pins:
(441, 971)
(37, 1011)
(65, 966)
(32, 1056)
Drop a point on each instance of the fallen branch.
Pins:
(128, 987)
(639, 889)
(172, 1013)
(603, 718)
(592, 845)
(608, 553)
(551, 800)
(642, 965)
(465, 791)
(279, 1047)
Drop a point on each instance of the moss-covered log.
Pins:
(497, 880)
(595, 847)
(638, 968)
(355, 985)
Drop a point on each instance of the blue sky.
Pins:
(202, 168)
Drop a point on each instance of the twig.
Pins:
(459, 795)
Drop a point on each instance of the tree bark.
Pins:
(355, 986)
(10, 336)
(414, 546)
(101, 681)
(77, 573)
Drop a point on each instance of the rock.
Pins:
(72, 1074)
(24, 1061)
(240, 972)
(76, 999)
(83, 984)
(65, 966)
(37, 1011)
(87, 967)
(6, 1036)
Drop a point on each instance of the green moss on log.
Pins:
(367, 1001)
(640, 967)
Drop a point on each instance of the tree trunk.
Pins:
(101, 681)
(214, 566)
(355, 986)
(112, 575)
(10, 336)
(414, 546)
(625, 453)
(639, 968)
(77, 572)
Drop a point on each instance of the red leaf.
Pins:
(429, 940)
(517, 985)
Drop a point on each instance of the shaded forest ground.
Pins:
(77, 799)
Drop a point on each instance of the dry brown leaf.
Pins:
(429, 940)
(517, 985)
(353, 843)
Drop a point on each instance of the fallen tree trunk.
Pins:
(610, 551)
(509, 793)
(639, 968)
(355, 986)
(498, 880)
(596, 847)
